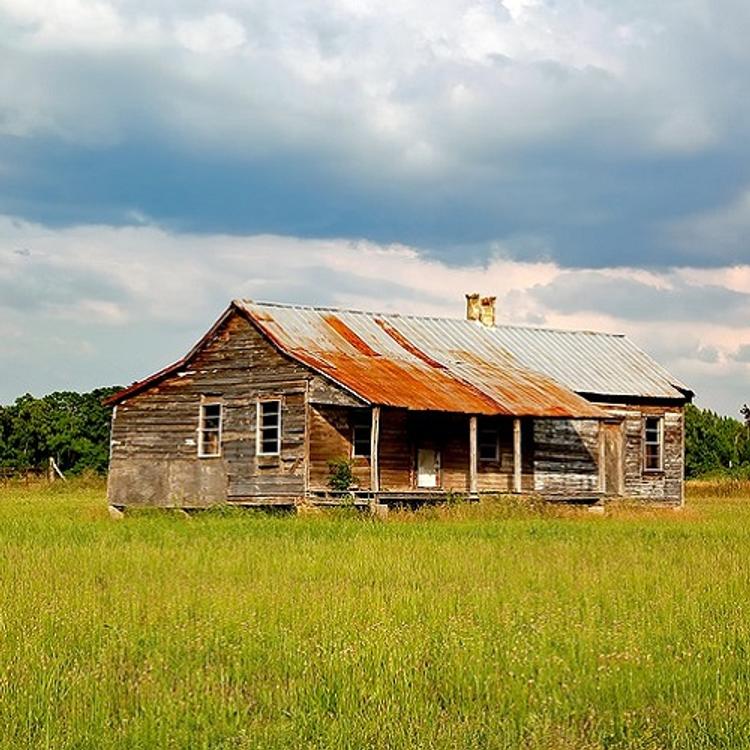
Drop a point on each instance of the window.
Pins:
(269, 428)
(489, 444)
(653, 441)
(361, 436)
(209, 430)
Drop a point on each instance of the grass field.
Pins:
(466, 627)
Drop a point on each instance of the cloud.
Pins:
(97, 304)
(630, 298)
(453, 124)
(722, 231)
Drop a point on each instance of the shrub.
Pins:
(340, 475)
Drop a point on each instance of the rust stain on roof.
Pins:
(349, 336)
(404, 343)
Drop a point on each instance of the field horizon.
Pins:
(484, 625)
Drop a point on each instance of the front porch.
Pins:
(406, 457)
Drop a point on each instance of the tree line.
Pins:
(716, 445)
(73, 428)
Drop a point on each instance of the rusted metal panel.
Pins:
(415, 363)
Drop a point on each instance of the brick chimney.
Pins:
(473, 307)
(487, 311)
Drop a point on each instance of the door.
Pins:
(428, 465)
(614, 466)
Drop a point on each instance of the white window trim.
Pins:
(201, 452)
(649, 469)
(496, 457)
(258, 441)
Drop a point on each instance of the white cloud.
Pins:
(217, 32)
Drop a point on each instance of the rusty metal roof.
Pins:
(416, 363)
(448, 364)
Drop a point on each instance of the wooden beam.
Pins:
(473, 455)
(517, 458)
(602, 458)
(374, 450)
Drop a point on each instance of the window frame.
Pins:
(202, 429)
(659, 443)
(364, 422)
(259, 428)
(496, 433)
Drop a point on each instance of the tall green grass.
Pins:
(489, 625)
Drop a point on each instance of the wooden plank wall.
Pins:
(154, 433)
(566, 456)
(666, 485)
(331, 430)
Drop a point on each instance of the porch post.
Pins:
(602, 459)
(517, 455)
(473, 455)
(374, 441)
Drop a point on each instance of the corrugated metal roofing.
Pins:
(417, 363)
(447, 364)
(602, 364)
(588, 362)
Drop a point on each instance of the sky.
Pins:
(587, 161)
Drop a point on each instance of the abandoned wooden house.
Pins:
(256, 412)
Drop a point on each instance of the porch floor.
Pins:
(363, 498)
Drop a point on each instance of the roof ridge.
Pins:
(410, 316)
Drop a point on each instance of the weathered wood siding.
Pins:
(402, 433)
(155, 432)
(497, 476)
(666, 485)
(331, 431)
(396, 451)
(566, 456)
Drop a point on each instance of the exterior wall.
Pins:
(497, 476)
(401, 432)
(331, 429)
(566, 456)
(154, 433)
(666, 485)
(331, 437)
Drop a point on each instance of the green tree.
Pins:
(715, 444)
(71, 427)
